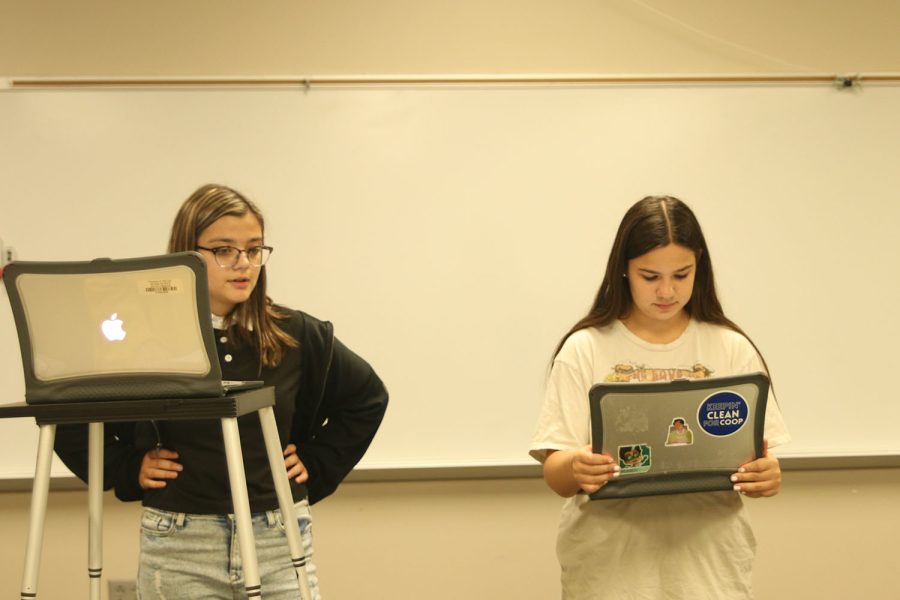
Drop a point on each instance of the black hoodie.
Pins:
(328, 402)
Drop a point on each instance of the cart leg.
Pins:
(239, 496)
(38, 511)
(285, 499)
(95, 507)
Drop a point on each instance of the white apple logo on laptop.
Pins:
(112, 328)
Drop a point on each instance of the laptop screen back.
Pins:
(113, 323)
(114, 329)
(678, 436)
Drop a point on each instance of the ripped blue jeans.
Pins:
(198, 556)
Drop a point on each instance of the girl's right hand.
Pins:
(592, 471)
(158, 465)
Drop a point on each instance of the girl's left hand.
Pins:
(759, 478)
(296, 470)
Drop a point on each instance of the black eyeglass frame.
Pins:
(237, 257)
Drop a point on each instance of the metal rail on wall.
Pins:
(840, 81)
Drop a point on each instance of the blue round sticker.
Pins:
(723, 413)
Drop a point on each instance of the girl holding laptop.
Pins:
(656, 313)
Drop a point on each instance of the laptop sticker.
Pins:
(635, 458)
(723, 413)
(680, 433)
(162, 286)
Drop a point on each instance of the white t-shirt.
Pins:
(677, 546)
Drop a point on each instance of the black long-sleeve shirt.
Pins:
(328, 402)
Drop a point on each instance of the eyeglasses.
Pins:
(229, 256)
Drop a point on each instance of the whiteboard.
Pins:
(453, 234)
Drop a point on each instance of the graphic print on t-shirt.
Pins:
(632, 373)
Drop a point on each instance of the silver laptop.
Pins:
(679, 436)
(136, 328)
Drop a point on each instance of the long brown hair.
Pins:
(252, 322)
(654, 222)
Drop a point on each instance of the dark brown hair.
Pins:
(253, 322)
(654, 222)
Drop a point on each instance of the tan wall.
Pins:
(830, 535)
(310, 37)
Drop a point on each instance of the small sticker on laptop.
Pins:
(635, 458)
(723, 413)
(161, 286)
(679, 434)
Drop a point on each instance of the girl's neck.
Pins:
(655, 331)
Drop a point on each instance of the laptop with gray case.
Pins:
(678, 436)
(136, 328)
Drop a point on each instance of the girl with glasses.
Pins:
(328, 406)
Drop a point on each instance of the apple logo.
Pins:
(112, 329)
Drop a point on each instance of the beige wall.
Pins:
(312, 37)
(829, 535)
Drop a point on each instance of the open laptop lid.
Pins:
(679, 436)
(114, 329)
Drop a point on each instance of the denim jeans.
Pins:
(187, 556)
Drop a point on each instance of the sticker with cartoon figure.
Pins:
(680, 433)
(635, 459)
